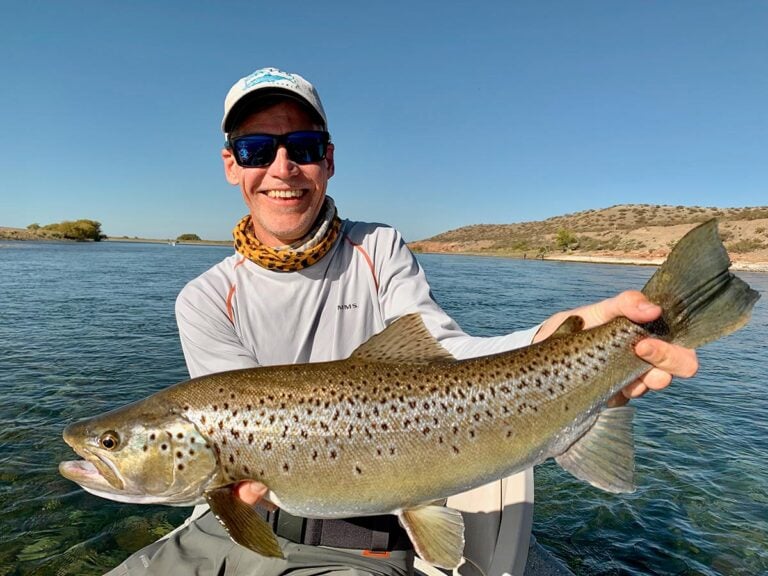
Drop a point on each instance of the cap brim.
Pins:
(250, 100)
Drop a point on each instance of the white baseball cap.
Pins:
(269, 81)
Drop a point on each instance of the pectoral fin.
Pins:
(437, 534)
(242, 523)
(605, 455)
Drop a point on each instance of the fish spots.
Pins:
(358, 470)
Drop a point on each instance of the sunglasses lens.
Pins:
(256, 150)
(306, 147)
(259, 150)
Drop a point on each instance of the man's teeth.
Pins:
(285, 193)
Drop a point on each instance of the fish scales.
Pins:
(401, 423)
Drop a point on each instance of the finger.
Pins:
(671, 358)
(250, 491)
(630, 304)
(634, 390)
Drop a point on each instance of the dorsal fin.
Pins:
(405, 341)
(570, 325)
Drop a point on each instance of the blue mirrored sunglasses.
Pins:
(260, 150)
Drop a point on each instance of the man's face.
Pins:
(284, 198)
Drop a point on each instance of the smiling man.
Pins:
(306, 286)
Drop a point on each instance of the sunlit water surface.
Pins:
(87, 327)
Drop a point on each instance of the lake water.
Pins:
(87, 327)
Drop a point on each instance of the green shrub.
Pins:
(76, 230)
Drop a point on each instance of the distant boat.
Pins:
(172, 242)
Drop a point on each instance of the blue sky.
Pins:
(444, 114)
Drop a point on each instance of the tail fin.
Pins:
(701, 300)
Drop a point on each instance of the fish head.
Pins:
(142, 453)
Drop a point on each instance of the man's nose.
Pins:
(282, 165)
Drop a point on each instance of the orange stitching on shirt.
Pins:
(230, 314)
(229, 304)
(367, 259)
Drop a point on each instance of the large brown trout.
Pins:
(401, 424)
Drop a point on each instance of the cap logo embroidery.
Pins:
(271, 75)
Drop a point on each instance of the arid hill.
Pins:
(639, 233)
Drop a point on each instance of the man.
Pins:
(305, 286)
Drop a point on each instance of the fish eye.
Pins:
(109, 440)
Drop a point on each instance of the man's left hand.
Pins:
(668, 360)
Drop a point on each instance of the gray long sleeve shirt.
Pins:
(239, 315)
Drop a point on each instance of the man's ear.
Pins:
(231, 170)
(329, 160)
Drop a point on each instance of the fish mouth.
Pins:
(91, 479)
(83, 472)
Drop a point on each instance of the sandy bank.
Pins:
(743, 265)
